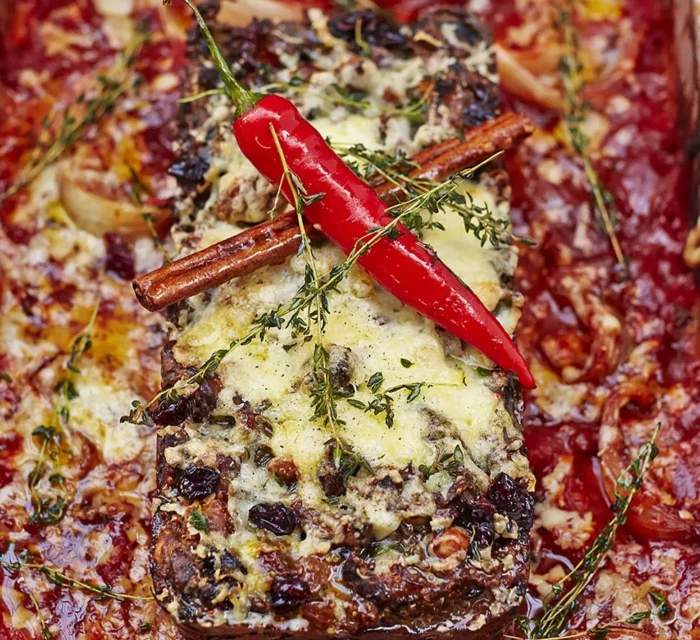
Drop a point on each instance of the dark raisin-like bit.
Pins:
(120, 257)
(197, 406)
(230, 564)
(289, 592)
(358, 576)
(473, 512)
(263, 455)
(511, 498)
(196, 483)
(191, 168)
(274, 517)
(333, 484)
(374, 30)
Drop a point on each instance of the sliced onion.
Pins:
(238, 13)
(539, 59)
(646, 516)
(91, 205)
(691, 250)
(516, 79)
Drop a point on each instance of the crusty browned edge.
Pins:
(493, 629)
(470, 107)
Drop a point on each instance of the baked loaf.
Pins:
(261, 527)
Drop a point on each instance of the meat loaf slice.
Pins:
(262, 525)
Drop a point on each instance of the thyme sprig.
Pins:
(290, 314)
(61, 579)
(478, 218)
(323, 394)
(45, 631)
(79, 116)
(414, 111)
(138, 189)
(574, 117)
(49, 509)
(383, 401)
(563, 600)
(451, 462)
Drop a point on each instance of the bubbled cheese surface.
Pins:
(459, 403)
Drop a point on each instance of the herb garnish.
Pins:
(45, 631)
(478, 219)
(60, 579)
(450, 462)
(79, 116)
(48, 509)
(383, 402)
(575, 116)
(305, 300)
(199, 521)
(563, 601)
(414, 111)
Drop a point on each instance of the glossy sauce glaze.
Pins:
(605, 349)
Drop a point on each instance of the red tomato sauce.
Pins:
(658, 304)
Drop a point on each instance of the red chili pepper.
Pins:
(350, 209)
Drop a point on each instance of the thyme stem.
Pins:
(60, 579)
(79, 117)
(242, 97)
(46, 509)
(324, 398)
(561, 603)
(575, 116)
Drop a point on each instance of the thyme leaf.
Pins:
(50, 509)
(199, 521)
(563, 600)
(79, 116)
(575, 116)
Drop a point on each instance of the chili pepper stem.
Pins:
(243, 98)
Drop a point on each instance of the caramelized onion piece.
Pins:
(95, 208)
(646, 516)
(539, 59)
(519, 81)
(691, 251)
(238, 13)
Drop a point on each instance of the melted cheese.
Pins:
(456, 407)
(379, 331)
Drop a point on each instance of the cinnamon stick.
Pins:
(272, 242)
